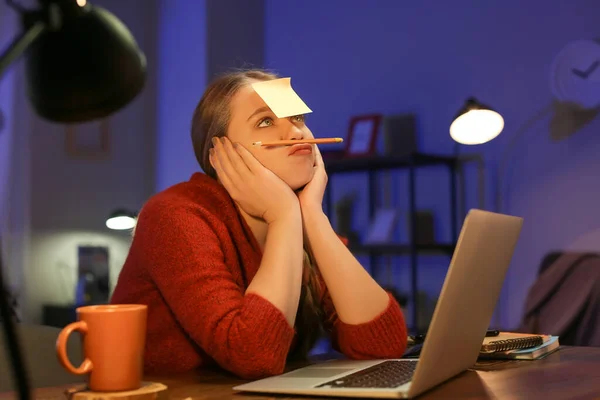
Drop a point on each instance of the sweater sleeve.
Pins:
(385, 336)
(245, 334)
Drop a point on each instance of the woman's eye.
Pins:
(265, 122)
(298, 118)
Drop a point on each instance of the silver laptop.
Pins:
(457, 330)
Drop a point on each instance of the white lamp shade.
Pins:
(121, 221)
(476, 126)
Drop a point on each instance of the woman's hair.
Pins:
(211, 119)
(212, 114)
(309, 320)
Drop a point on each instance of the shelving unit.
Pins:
(372, 165)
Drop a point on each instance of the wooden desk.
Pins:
(569, 373)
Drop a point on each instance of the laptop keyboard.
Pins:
(388, 374)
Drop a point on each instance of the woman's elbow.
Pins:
(258, 361)
(399, 348)
(257, 369)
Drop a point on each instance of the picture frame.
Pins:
(362, 135)
(89, 140)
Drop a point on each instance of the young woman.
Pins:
(240, 266)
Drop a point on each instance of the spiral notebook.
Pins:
(518, 346)
(512, 341)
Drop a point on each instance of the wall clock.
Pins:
(575, 74)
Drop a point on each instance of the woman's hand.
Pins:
(311, 196)
(257, 190)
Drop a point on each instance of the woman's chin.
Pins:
(297, 178)
(297, 183)
(296, 187)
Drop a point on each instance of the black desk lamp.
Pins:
(82, 64)
(476, 123)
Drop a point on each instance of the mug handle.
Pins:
(61, 348)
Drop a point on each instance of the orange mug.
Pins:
(114, 337)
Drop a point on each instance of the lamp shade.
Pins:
(476, 123)
(86, 69)
(121, 220)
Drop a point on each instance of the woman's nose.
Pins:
(293, 132)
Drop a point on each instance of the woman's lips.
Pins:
(300, 149)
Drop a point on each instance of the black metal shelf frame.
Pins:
(372, 165)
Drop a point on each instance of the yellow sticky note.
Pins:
(281, 98)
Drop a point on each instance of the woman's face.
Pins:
(251, 120)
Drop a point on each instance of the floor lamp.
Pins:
(82, 63)
(476, 123)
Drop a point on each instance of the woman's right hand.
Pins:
(255, 188)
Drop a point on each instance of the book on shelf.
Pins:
(518, 346)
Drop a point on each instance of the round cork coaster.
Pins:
(148, 390)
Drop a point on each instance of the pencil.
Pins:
(293, 142)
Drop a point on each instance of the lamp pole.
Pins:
(36, 26)
(116, 78)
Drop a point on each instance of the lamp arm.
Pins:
(20, 44)
(503, 164)
(12, 341)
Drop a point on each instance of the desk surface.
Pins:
(570, 372)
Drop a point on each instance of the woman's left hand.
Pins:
(311, 196)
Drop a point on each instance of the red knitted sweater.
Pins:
(191, 260)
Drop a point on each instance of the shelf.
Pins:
(402, 249)
(337, 163)
(382, 162)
